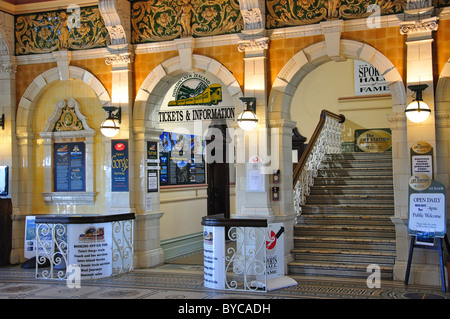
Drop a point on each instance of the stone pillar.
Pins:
(418, 27)
(253, 145)
(147, 246)
(121, 94)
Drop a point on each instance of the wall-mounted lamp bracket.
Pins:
(2, 121)
(116, 116)
(417, 111)
(250, 103)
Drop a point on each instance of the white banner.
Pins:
(368, 80)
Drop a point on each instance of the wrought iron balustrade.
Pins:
(326, 139)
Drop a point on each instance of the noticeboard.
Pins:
(427, 207)
(69, 167)
(181, 159)
(422, 159)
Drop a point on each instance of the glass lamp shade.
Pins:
(247, 120)
(109, 128)
(417, 111)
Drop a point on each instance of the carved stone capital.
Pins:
(409, 27)
(254, 44)
(119, 58)
(8, 68)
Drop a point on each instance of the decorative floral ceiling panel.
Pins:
(166, 20)
(60, 30)
(283, 13)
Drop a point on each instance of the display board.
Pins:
(119, 166)
(69, 167)
(181, 159)
(427, 207)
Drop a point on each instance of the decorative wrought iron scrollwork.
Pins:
(122, 250)
(245, 259)
(52, 249)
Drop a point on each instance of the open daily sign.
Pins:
(427, 209)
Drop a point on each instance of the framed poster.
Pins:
(69, 167)
(119, 166)
(181, 159)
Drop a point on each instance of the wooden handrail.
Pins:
(323, 115)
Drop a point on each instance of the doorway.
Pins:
(218, 174)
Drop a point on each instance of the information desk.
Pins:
(94, 246)
(241, 254)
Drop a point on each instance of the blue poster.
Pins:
(69, 167)
(119, 166)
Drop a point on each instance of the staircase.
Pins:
(345, 224)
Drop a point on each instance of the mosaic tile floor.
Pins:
(185, 281)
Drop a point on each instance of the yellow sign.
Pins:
(421, 148)
(419, 182)
(374, 141)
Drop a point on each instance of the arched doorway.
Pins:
(159, 110)
(309, 60)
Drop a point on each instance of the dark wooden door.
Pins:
(218, 175)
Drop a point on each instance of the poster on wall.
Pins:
(91, 249)
(152, 167)
(368, 80)
(119, 166)
(69, 167)
(422, 159)
(181, 159)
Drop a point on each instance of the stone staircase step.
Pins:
(385, 258)
(366, 171)
(345, 219)
(356, 208)
(385, 156)
(353, 180)
(375, 244)
(336, 270)
(346, 231)
(350, 199)
(351, 189)
(333, 164)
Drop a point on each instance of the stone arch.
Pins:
(153, 89)
(306, 60)
(31, 95)
(443, 86)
